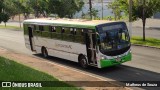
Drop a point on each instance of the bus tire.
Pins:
(83, 61)
(44, 52)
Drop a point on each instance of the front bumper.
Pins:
(112, 62)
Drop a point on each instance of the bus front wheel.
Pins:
(44, 52)
(83, 61)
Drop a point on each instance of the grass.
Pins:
(13, 71)
(10, 27)
(149, 41)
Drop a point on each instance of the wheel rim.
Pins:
(45, 53)
(83, 62)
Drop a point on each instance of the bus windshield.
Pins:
(115, 40)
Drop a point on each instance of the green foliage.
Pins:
(24, 7)
(1, 19)
(115, 9)
(1, 5)
(141, 9)
(10, 8)
(93, 12)
(65, 8)
(5, 17)
(39, 7)
(150, 6)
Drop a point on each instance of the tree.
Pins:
(5, 18)
(141, 9)
(40, 7)
(3, 15)
(93, 13)
(1, 19)
(65, 8)
(115, 9)
(90, 8)
(24, 7)
(1, 7)
(10, 8)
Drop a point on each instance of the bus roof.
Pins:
(67, 22)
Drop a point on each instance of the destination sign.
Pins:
(112, 27)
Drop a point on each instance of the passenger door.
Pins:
(31, 39)
(91, 50)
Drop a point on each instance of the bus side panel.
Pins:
(59, 48)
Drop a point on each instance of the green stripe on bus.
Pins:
(112, 62)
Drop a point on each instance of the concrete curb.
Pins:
(145, 46)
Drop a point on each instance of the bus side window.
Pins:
(75, 31)
(71, 31)
(53, 29)
(58, 32)
(58, 29)
(79, 32)
(45, 31)
(67, 36)
(34, 27)
(79, 38)
(63, 30)
(41, 28)
(37, 31)
(82, 32)
(67, 30)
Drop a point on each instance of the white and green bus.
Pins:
(98, 43)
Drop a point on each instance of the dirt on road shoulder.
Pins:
(59, 72)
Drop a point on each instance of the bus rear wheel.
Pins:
(44, 52)
(83, 62)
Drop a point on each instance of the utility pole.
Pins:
(130, 17)
(102, 8)
(90, 8)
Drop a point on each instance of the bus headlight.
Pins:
(130, 51)
(103, 57)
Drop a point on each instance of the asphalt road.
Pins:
(145, 65)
